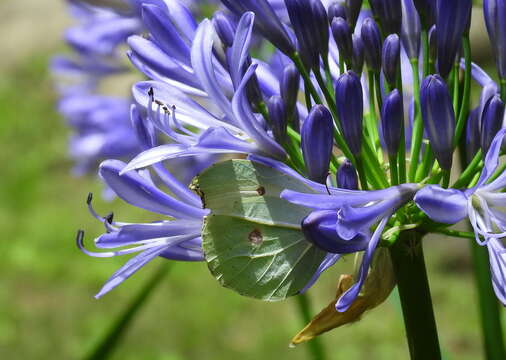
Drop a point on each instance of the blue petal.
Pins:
(137, 191)
(447, 206)
(328, 261)
(497, 257)
(351, 294)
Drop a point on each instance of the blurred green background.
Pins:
(47, 309)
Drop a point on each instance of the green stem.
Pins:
(425, 49)
(464, 109)
(394, 172)
(305, 75)
(315, 346)
(372, 128)
(427, 162)
(469, 172)
(361, 173)
(112, 337)
(454, 233)
(503, 89)
(414, 292)
(416, 138)
(489, 308)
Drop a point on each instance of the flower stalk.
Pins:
(414, 292)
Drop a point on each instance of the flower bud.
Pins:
(371, 39)
(346, 176)
(495, 20)
(277, 117)
(357, 59)
(452, 20)
(289, 89)
(289, 85)
(410, 29)
(438, 118)
(316, 143)
(391, 57)
(392, 118)
(352, 11)
(350, 109)
(319, 228)
(491, 121)
(310, 23)
(336, 10)
(342, 35)
(321, 26)
(224, 27)
(389, 14)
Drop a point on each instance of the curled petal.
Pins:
(351, 294)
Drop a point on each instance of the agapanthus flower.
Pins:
(301, 114)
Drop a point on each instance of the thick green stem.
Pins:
(315, 347)
(108, 343)
(414, 292)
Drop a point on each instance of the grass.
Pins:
(47, 309)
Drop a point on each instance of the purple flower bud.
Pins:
(289, 89)
(310, 23)
(336, 10)
(389, 14)
(266, 21)
(346, 176)
(452, 20)
(317, 142)
(321, 25)
(371, 38)
(491, 121)
(473, 134)
(342, 35)
(410, 29)
(225, 28)
(426, 9)
(352, 11)
(357, 60)
(319, 228)
(438, 118)
(350, 109)
(390, 58)
(392, 118)
(277, 117)
(495, 19)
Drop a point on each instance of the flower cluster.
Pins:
(365, 106)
